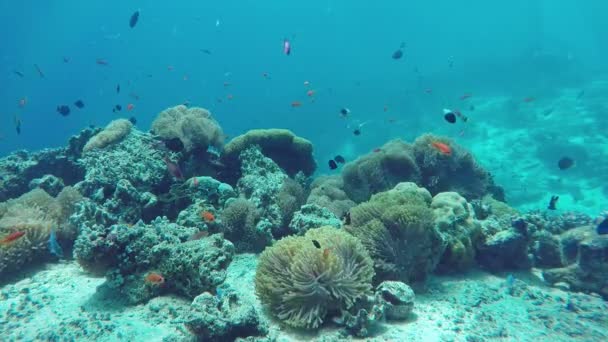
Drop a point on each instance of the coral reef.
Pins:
(399, 299)
(240, 220)
(50, 184)
(301, 283)
(327, 192)
(397, 228)
(380, 171)
(312, 216)
(457, 171)
(290, 152)
(455, 220)
(194, 128)
(127, 254)
(112, 134)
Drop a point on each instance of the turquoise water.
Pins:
(529, 76)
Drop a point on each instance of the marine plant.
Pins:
(302, 279)
(194, 127)
(397, 228)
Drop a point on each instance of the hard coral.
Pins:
(328, 192)
(292, 153)
(302, 283)
(397, 229)
(114, 132)
(380, 171)
(194, 127)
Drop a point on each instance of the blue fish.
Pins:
(602, 227)
(54, 246)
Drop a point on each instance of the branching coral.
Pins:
(397, 229)
(380, 171)
(194, 127)
(301, 283)
(113, 133)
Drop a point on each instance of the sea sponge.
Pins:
(327, 192)
(455, 219)
(114, 132)
(380, 171)
(194, 127)
(292, 153)
(397, 228)
(301, 283)
(458, 171)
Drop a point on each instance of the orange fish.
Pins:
(326, 253)
(154, 278)
(11, 238)
(207, 216)
(194, 181)
(23, 102)
(442, 147)
(529, 99)
(310, 93)
(130, 107)
(295, 104)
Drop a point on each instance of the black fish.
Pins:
(346, 218)
(118, 89)
(553, 202)
(18, 125)
(79, 104)
(316, 243)
(66, 60)
(565, 163)
(399, 53)
(117, 108)
(450, 117)
(134, 19)
(63, 110)
(332, 164)
(206, 51)
(602, 227)
(18, 73)
(39, 71)
(133, 120)
(344, 112)
(339, 159)
(357, 132)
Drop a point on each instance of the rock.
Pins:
(546, 250)
(312, 216)
(399, 299)
(506, 249)
(49, 183)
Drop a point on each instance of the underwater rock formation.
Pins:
(291, 153)
(399, 299)
(397, 228)
(455, 220)
(312, 216)
(380, 171)
(225, 318)
(50, 184)
(302, 278)
(585, 255)
(328, 192)
(240, 220)
(128, 254)
(194, 128)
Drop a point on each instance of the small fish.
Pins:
(118, 89)
(117, 108)
(40, 73)
(428, 91)
(195, 182)
(134, 96)
(548, 111)
(53, 244)
(466, 96)
(64, 110)
(18, 73)
(101, 61)
(399, 52)
(529, 99)
(565, 163)
(442, 147)
(134, 18)
(133, 120)
(173, 169)
(332, 164)
(23, 102)
(449, 116)
(376, 150)
(227, 84)
(130, 107)
(357, 132)
(339, 159)
(316, 243)
(17, 121)
(66, 59)
(346, 218)
(198, 235)
(207, 216)
(344, 112)
(286, 47)
(79, 104)
(602, 227)
(266, 75)
(229, 97)
(310, 93)
(206, 51)
(296, 104)
(553, 202)
(12, 237)
(306, 83)
(472, 108)
(154, 278)
(326, 253)
(462, 117)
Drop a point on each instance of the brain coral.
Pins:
(397, 229)
(114, 132)
(292, 153)
(458, 172)
(194, 127)
(301, 283)
(380, 171)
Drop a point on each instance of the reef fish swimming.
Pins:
(12, 238)
(442, 147)
(134, 19)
